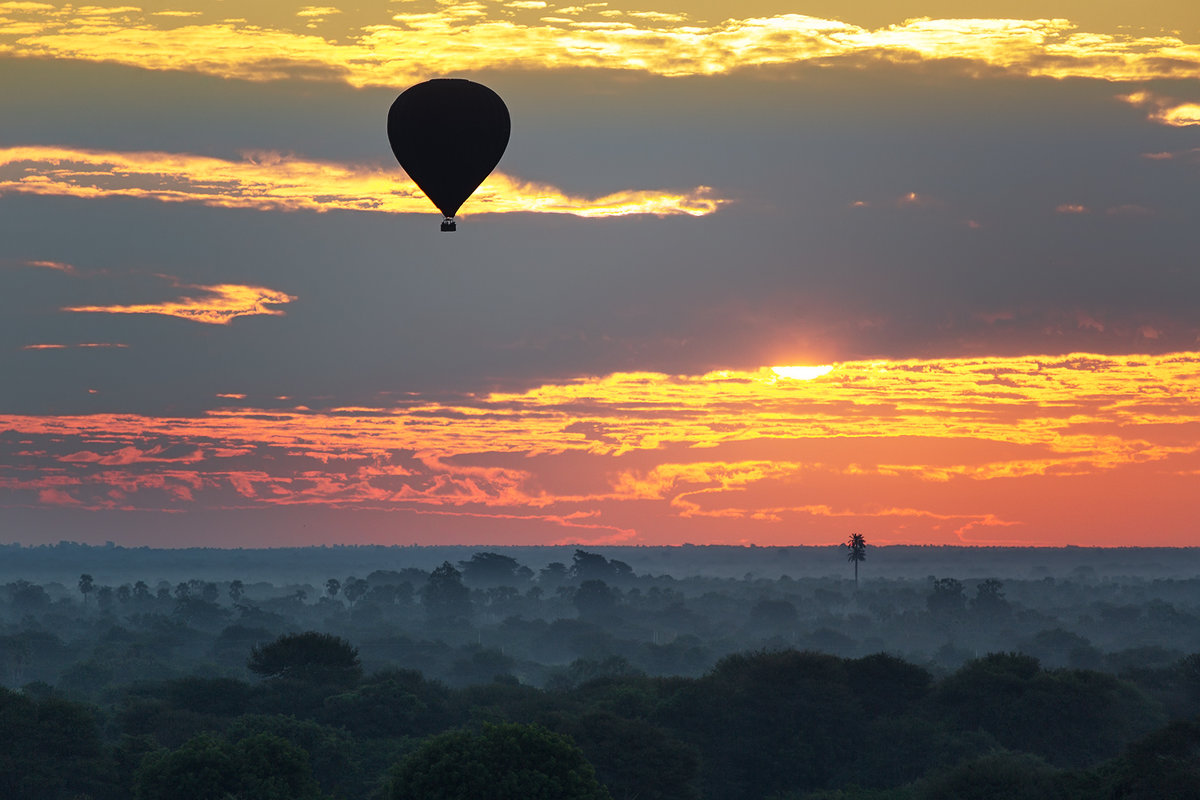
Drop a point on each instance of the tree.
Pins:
(259, 767)
(308, 656)
(86, 586)
(501, 762)
(773, 615)
(594, 600)
(947, 598)
(52, 749)
(553, 574)
(989, 599)
(490, 569)
(209, 592)
(856, 551)
(332, 587)
(354, 589)
(587, 566)
(236, 590)
(444, 596)
(105, 596)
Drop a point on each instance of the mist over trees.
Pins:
(1056, 674)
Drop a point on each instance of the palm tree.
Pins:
(86, 586)
(856, 552)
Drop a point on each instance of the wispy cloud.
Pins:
(275, 182)
(425, 39)
(215, 305)
(1165, 110)
(101, 345)
(57, 266)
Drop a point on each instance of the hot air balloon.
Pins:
(448, 134)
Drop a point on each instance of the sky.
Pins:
(771, 278)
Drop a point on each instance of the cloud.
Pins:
(935, 447)
(132, 455)
(318, 11)
(273, 182)
(428, 39)
(116, 345)
(1164, 110)
(215, 305)
(56, 497)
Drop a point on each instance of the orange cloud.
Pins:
(217, 305)
(273, 182)
(131, 455)
(988, 449)
(81, 344)
(421, 39)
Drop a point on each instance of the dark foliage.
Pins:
(500, 762)
(310, 656)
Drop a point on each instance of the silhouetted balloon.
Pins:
(448, 134)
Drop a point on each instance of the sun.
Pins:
(803, 373)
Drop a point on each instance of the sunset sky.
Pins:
(814, 269)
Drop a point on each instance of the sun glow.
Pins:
(797, 373)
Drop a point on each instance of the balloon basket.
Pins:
(448, 225)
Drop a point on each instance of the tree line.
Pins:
(312, 725)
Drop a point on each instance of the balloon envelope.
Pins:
(448, 134)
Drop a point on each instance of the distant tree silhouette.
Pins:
(490, 569)
(354, 588)
(236, 590)
(553, 574)
(209, 592)
(105, 597)
(86, 586)
(332, 587)
(587, 566)
(444, 596)
(947, 597)
(306, 656)
(773, 614)
(989, 599)
(594, 600)
(856, 551)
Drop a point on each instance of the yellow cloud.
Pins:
(1164, 110)
(270, 181)
(317, 11)
(454, 37)
(216, 305)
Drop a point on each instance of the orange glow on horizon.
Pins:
(976, 450)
